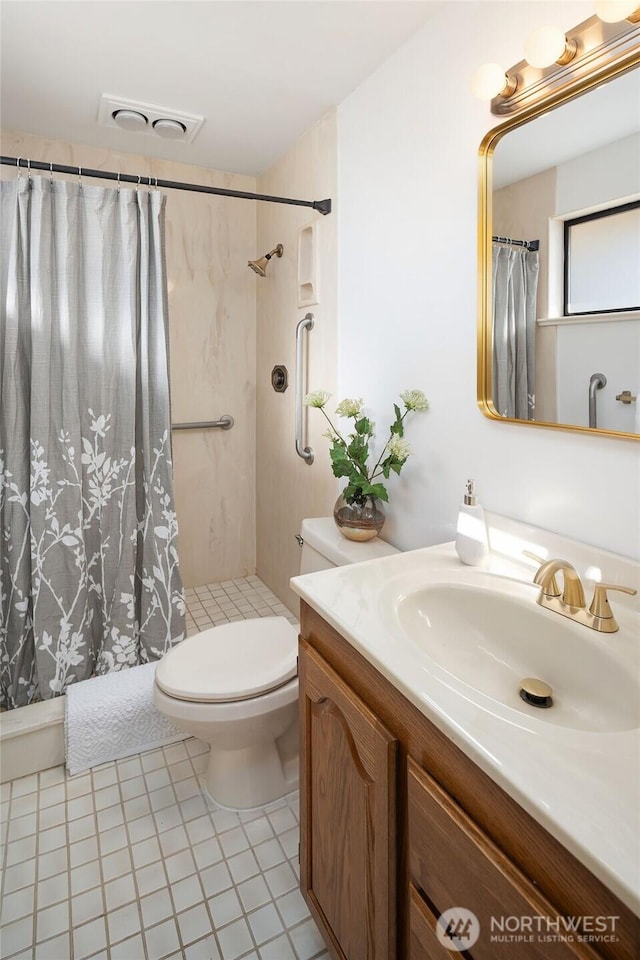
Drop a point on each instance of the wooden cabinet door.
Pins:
(348, 815)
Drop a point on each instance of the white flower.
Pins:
(317, 398)
(414, 400)
(350, 408)
(399, 448)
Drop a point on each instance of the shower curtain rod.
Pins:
(529, 244)
(323, 206)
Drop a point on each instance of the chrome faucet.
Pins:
(571, 603)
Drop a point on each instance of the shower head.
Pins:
(260, 266)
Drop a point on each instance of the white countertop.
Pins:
(582, 786)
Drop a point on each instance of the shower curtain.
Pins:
(515, 286)
(89, 578)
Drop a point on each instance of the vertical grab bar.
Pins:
(597, 382)
(305, 452)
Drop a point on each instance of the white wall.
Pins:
(408, 144)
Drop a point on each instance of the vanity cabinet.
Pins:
(347, 850)
(398, 825)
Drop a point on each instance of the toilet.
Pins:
(235, 686)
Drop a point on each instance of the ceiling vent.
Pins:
(148, 118)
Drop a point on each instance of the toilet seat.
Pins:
(235, 661)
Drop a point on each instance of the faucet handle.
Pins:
(551, 589)
(600, 604)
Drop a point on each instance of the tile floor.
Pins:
(129, 861)
(231, 600)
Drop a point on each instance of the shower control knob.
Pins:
(279, 378)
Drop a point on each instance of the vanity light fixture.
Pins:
(548, 45)
(612, 11)
(557, 63)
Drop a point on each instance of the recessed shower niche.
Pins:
(308, 265)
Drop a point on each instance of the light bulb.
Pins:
(611, 11)
(545, 46)
(169, 129)
(488, 81)
(130, 119)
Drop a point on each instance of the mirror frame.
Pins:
(618, 66)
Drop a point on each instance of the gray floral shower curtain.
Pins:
(89, 578)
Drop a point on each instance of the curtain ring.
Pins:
(79, 176)
(118, 181)
(51, 171)
(156, 186)
(139, 181)
(18, 167)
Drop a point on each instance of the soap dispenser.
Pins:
(471, 536)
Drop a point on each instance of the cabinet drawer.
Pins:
(423, 942)
(457, 865)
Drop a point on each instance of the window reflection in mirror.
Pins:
(565, 263)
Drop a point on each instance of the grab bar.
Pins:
(305, 452)
(225, 423)
(597, 382)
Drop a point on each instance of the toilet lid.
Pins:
(234, 661)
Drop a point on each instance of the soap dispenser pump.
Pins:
(471, 536)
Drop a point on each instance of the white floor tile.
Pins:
(128, 949)
(234, 939)
(17, 905)
(187, 893)
(162, 940)
(224, 908)
(86, 906)
(194, 924)
(180, 865)
(52, 890)
(89, 938)
(52, 921)
(17, 935)
(153, 868)
(123, 923)
(57, 949)
(119, 892)
(206, 949)
(306, 940)
(279, 949)
(265, 923)
(156, 907)
(254, 893)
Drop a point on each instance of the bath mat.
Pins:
(113, 716)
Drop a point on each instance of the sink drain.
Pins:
(535, 692)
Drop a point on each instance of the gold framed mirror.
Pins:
(559, 258)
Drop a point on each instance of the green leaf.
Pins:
(363, 427)
(379, 491)
(397, 465)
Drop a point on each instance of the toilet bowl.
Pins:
(235, 687)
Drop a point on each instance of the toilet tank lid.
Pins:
(234, 661)
(322, 534)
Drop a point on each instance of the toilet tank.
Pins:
(324, 547)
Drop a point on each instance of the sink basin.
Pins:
(483, 638)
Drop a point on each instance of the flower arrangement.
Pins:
(350, 455)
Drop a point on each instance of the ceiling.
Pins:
(260, 71)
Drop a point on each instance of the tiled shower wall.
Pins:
(288, 489)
